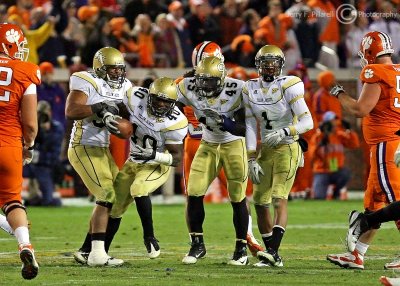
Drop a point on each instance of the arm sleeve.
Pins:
(251, 125)
(294, 95)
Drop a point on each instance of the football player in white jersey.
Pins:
(217, 104)
(155, 146)
(277, 103)
(93, 105)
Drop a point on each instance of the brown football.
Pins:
(125, 128)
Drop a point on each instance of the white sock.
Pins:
(4, 225)
(98, 245)
(250, 226)
(22, 235)
(269, 234)
(361, 248)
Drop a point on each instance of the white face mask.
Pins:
(363, 61)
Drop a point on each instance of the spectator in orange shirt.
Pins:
(329, 35)
(322, 101)
(278, 31)
(328, 156)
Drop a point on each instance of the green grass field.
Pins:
(315, 229)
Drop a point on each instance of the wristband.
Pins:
(97, 107)
(163, 158)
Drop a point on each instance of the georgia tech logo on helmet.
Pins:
(221, 67)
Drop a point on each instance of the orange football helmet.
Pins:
(238, 73)
(13, 42)
(373, 45)
(204, 50)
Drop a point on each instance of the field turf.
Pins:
(315, 229)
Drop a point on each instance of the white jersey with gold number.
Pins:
(153, 131)
(274, 105)
(91, 130)
(228, 101)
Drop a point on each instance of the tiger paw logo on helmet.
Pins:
(12, 36)
(369, 73)
(366, 43)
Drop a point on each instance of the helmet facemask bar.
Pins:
(269, 67)
(114, 78)
(160, 106)
(22, 53)
(208, 86)
(363, 60)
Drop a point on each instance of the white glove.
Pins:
(146, 154)
(110, 120)
(254, 170)
(27, 155)
(272, 139)
(336, 90)
(211, 114)
(397, 158)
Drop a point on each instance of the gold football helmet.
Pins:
(162, 97)
(210, 76)
(269, 62)
(109, 64)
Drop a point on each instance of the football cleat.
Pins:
(30, 267)
(352, 260)
(100, 258)
(197, 251)
(387, 281)
(271, 257)
(357, 226)
(262, 264)
(253, 245)
(395, 264)
(239, 257)
(81, 257)
(153, 249)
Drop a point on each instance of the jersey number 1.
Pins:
(5, 96)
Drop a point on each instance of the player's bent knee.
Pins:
(278, 202)
(12, 205)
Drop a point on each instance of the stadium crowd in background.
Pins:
(302, 29)
(163, 34)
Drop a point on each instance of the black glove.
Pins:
(102, 108)
(346, 125)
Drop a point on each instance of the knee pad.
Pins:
(374, 226)
(8, 207)
(266, 206)
(107, 205)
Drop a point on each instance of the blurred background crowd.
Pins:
(319, 34)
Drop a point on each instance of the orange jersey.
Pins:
(15, 77)
(322, 102)
(384, 120)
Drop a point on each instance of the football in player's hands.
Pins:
(125, 127)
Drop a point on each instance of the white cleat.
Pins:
(100, 258)
(395, 264)
(30, 267)
(387, 281)
(261, 264)
(152, 247)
